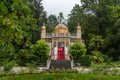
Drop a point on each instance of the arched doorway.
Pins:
(61, 51)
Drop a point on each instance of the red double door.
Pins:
(61, 55)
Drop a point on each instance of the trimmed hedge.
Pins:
(60, 76)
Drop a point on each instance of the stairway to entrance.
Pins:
(60, 64)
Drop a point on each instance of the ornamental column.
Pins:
(78, 31)
(43, 31)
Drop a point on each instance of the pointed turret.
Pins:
(78, 31)
(43, 31)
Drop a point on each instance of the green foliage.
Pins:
(9, 65)
(14, 27)
(60, 76)
(75, 17)
(113, 65)
(105, 71)
(95, 42)
(65, 78)
(60, 17)
(19, 29)
(52, 21)
(111, 46)
(85, 61)
(101, 18)
(97, 57)
(77, 50)
(41, 50)
(23, 57)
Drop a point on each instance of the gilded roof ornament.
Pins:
(43, 27)
(78, 27)
(61, 28)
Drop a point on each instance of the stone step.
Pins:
(60, 64)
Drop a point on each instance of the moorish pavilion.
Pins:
(59, 42)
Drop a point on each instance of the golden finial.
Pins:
(43, 27)
(78, 27)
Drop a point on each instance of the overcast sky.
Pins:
(56, 6)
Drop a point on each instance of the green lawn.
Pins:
(60, 76)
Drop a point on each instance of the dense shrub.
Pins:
(77, 50)
(9, 65)
(23, 57)
(40, 50)
(85, 61)
(106, 71)
(60, 76)
(97, 57)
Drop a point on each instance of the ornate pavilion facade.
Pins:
(60, 40)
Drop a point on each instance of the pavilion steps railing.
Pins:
(60, 64)
(48, 62)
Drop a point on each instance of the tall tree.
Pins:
(112, 45)
(52, 21)
(97, 17)
(100, 9)
(39, 14)
(95, 43)
(60, 17)
(17, 23)
(75, 17)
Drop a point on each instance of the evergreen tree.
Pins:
(18, 23)
(98, 17)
